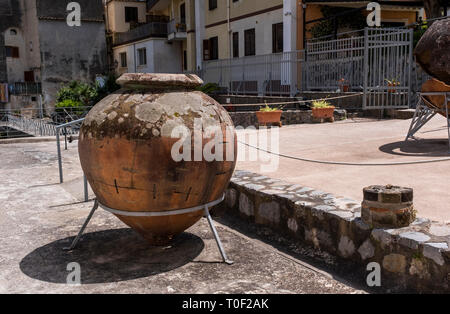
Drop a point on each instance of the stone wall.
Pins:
(415, 258)
(354, 102)
(248, 118)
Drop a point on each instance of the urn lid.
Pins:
(159, 81)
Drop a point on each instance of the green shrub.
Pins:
(208, 88)
(268, 109)
(321, 104)
(77, 92)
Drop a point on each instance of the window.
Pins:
(13, 32)
(236, 45)
(211, 49)
(212, 4)
(28, 76)
(123, 60)
(249, 37)
(277, 37)
(214, 44)
(12, 52)
(142, 56)
(185, 60)
(131, 14)
(183, 13)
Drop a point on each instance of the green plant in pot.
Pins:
(268, 115)
(323, 110)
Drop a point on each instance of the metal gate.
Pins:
(376, 61)
(388, 60)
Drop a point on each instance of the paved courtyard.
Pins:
(366, 141)
(39, 217)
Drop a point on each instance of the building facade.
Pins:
(39, 51)
(317, 17)
(151, 36)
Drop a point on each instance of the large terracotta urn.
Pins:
(126, 149)
(434, 85)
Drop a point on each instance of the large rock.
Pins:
(432, 51)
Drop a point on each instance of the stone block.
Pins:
(394, 263)
(246, 205)
(268, 212)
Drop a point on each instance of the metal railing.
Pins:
(153, 29)
(175, 26)
(377, 61)
(32, 122)
(25, 88)
(271, 74)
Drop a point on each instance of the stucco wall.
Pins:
(162, 57)
(116, 14)
(70, 53)
(261, 22)
(10, 16)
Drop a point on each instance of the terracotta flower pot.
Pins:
(269, 117)
(435, 85)
(125, 149)
(323, 113)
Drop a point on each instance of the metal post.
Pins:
(65, 138)
(216, 236)
(411, 38)
(448, 119)
(366, 65)
(59, 156)
(80, 233)
(86, 192)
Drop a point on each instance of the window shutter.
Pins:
(206, 50)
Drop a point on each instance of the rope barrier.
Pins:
(400, 163)
(292, 102)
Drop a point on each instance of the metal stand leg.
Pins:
(75, 241)
(446, 103)
(216, 236)
(422, 115)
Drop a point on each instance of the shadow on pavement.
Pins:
(110, 256)
(419, 148)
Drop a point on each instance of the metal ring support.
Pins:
(161, 214)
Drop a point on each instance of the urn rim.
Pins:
(159, 81)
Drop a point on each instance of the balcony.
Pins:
(153, 29)
(27, 88)
(176, 30)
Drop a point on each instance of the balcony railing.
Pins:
(177, 30)
(27, 88)
(154, 29)
(176, 26)
(151, 3)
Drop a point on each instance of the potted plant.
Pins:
(392, 83)
(268, 115)
(344, 85)
(322, 110)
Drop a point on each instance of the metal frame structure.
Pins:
(204, 207)
(426, 110)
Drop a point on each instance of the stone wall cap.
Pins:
(160, 81)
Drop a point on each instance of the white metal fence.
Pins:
(272, 74)
(376, 61)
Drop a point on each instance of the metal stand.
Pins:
(425, 111)
(158, 214)
(80, 233)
